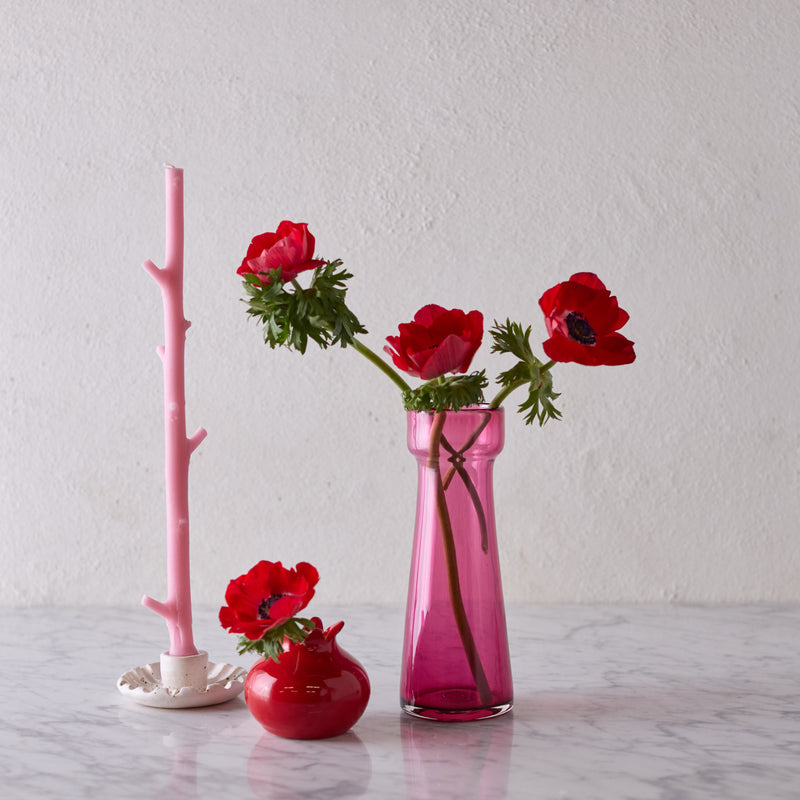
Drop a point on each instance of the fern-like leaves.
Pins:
(291, 315)
(448, 393)
(270, 645)
(510, 337)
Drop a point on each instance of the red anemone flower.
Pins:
(266, 597)
(291, 248)
(437, 341)
(582, 319)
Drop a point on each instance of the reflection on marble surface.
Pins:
(483, 770)
(274, 765)
(611, 702)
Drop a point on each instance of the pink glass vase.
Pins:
(455, 662)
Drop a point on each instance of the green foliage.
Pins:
(447, 393)
(270, 645)
(291, 316)
(318, 313)
(511, 338)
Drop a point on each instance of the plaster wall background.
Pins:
(466, 152)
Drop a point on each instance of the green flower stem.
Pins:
(448, 540)
(453, 582)
(457, 466)
(445, 524)
(506, 390)
(373, 357)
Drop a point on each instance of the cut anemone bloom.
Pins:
(266, 597)
(290, 248)
(582, 319)
(436, 342)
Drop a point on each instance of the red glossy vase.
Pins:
(314, 691)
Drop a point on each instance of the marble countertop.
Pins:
(614, 702)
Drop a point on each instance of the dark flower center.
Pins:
(266, 604)
(579, 329)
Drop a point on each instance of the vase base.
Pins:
(455, 715)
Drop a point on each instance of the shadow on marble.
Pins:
(199, 722)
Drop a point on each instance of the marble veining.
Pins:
(614, 702)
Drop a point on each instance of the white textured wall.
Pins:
(466, 152)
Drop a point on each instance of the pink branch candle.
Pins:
(177, 610)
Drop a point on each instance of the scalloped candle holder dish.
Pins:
(182, 682)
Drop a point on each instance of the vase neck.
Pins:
(471, 433)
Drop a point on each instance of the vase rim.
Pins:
(470, 409)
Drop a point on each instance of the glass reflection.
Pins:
(293, 769)
(468, 760)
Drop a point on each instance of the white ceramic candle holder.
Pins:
(182, 682)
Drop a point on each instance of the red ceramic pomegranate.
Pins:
(315, 690)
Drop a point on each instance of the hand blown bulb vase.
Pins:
(456, 664)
